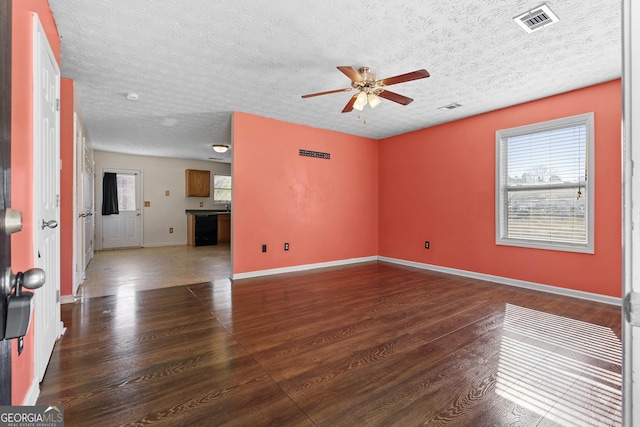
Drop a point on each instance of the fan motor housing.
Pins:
(367, 74)
(368, 80)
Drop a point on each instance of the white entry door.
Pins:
(123, 230)
(46, 209)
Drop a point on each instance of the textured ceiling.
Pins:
(193, 62)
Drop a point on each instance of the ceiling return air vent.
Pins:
(536, 18)
(451, 106)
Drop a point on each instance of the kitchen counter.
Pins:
(206, 211)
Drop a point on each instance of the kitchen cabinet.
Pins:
(224, 227)
(191, 230)
(198, 183)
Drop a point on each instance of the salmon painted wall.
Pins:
(327, 210)
(438, 184)
(66, 185)
(22, 160)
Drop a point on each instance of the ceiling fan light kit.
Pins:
(370, 89)
(374, 100)
(361, 101)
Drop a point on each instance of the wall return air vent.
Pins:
(536, 18)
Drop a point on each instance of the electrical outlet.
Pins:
(170, 229)
(426, 245)
(201, 204)
(286, 246)
(147, 204)
(167, 192)
(264, 248)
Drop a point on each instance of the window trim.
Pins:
(500, 188)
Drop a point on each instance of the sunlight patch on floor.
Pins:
(566, 370)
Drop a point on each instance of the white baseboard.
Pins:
(507, 281)
(32, 395)
(605, 299)
(161, 245)
(303, 267)
(67, 299)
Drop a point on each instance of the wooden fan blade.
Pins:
(395, 97)
(351, 73)
(327, 92)
(414, 75)
(349, 107)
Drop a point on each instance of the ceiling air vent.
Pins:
(451, 106)
(536, 18)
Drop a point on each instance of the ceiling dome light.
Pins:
(132, 96)
(219, 148)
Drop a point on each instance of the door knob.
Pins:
(11, 221)
(51, 224)
(33, 278)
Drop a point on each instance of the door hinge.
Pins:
(57, 200)
(631, 308)
(57, 104)
(57, 296)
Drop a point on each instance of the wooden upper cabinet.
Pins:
(198, 183)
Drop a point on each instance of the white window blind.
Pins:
(544, 185)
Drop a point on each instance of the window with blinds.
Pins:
(544, 185)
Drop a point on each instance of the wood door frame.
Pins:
(5, 175)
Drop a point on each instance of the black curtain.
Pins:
(110, 194)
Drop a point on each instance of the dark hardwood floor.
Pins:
(366, 345)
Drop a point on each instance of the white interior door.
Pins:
(124, 230)
(88, 203)
(46, 212)
(78, 208)
(631, 214)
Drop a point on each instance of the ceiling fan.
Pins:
(370, 89)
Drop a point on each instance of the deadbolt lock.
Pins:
(11, 221)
